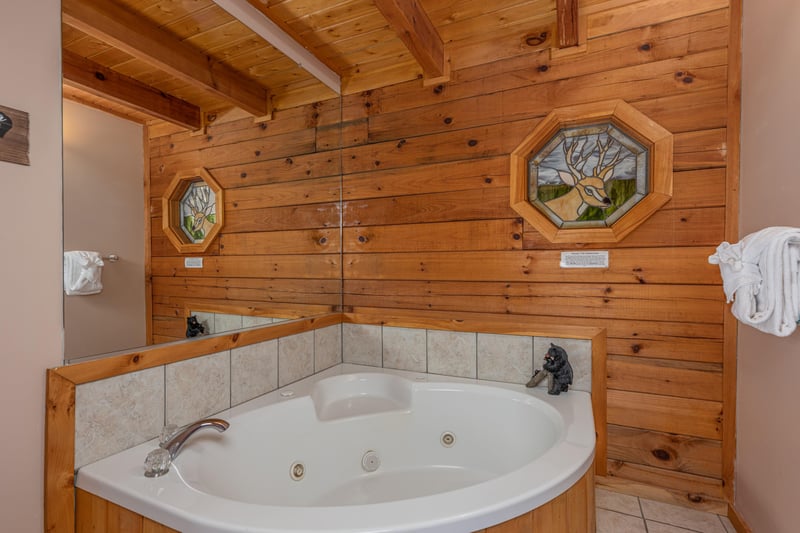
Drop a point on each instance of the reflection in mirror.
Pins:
(211, 323)
(103, 207)
(277, 255)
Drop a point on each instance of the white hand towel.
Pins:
(761, 275)
(82, 273)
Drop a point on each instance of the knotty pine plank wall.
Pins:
(427, 223)
(279, 249)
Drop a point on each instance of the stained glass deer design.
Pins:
(587, 189)
(200, 203)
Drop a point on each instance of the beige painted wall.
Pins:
(103, 211)
(768, 427)
(30, 317)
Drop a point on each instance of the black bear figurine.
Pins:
(557, 364)
(194, 327)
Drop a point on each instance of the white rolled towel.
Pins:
(82, 273)
(761, 276)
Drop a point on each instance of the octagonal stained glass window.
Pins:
(588, 176)
(193, 210)
(592, 172)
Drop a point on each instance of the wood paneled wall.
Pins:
(278, 253)
(427, 222)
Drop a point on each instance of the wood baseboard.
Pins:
(737, 521)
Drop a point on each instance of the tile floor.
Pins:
(621, 513)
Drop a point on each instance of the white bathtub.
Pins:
(512, 450)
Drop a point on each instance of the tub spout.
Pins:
(174, 444)
(159, 460)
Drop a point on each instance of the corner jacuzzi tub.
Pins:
(357, 449)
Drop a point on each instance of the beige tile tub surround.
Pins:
(221, 322)
(120, 412)
(117, 413)
(405, 349)
(495, 357)
(453, 353)
(227, 322)
(254, 371)
(198, 388)
(327, 347)
(506, 358)
(254, 321)
(295, 357)
(362, 344)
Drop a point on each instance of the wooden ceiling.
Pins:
(181, 60)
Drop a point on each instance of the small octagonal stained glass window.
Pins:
(193, 206)
(588, 176)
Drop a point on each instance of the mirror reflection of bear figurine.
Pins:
(556, 369)
(194, 327)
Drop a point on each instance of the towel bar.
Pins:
(111, 258)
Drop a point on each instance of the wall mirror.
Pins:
(275, 256)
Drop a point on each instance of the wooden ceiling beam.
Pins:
(567, 22)
(255, 14)
(412, 24)
(123, 29)
(96, 79)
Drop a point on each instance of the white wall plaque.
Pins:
(584, 259)
(193, 262)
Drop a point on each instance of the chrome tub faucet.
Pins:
(158, 461)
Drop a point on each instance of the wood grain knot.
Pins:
(100, 76)
(243, 175)
(362, 239)
(661, 455)
(635, 348)
(472, 142)
(543, 68)
(646, 47)
(438, 89)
